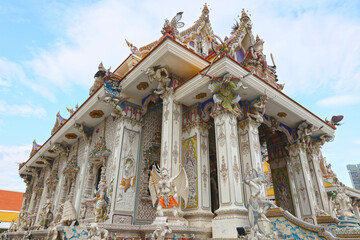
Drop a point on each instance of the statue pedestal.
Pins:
(199, 219)
(170, 219)
(225, 224)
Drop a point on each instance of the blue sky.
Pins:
(50, 50)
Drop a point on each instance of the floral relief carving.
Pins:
(221, 136)
(165, 153)
(176, 112)
(223, 169)
(204, 175)
(175, 152)
(236, 170)
(233, 137)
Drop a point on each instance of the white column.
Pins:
(314, 157)
(171, 134)
(82, 177)
(195, 159)
(232, 212)
(250, 150)
(301, 180)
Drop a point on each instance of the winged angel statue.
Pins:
(166, 190)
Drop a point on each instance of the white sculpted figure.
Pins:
(343, 204)
(46, 214)
(126, 190)
(161, 231)
(258, 108)
(97, 234)
(257, 204)
(68, 214)
(167, 189)
(160, 74)
(304, 132)
(102, 200)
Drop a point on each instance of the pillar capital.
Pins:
(247, 122)
(295, 149)
(201, 125)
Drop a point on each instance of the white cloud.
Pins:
(339, 101)
(10, 157)
(11, 72)
(4, 83)
(357, 141)
(22, 110)
(312, 45)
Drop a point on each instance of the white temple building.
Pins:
(191, 101)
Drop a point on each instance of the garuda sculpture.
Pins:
(225, 92)
(167, 189)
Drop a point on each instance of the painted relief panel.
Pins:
(282, 189)
(189, 161)
(125, 196)
(205, 170)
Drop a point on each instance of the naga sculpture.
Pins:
(258, 107)
(225, 92)
(257, 204)
(167, 189)
(160, 74)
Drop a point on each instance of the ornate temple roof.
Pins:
(35, 148)
(58, 123)
(200, 38)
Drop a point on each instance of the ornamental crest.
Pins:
(100, 150)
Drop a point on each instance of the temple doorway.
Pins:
(273, 143)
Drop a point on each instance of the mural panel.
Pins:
(282, 189)
(189, 161)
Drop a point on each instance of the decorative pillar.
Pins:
(170, 134)
(301, 183)
(195, 159)
(250, 150)
(83, 170)
(126, 160)
(314, 156)
(232, 212)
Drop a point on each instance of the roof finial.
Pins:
(205, 9)
(244, 16)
